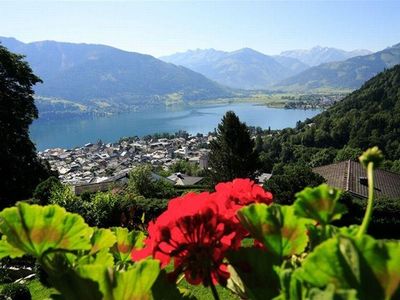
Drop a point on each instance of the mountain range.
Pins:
(320, 55)
(349, 74)
(90, 74)
(319, 68)
(243, 69)
(110, 79)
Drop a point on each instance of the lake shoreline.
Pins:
(193, 119)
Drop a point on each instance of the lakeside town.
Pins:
(312, 101)
(108, 162)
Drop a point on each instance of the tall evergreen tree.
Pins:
(20, 169)
(232, 152)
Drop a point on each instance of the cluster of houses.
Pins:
(312, 101)
(95, 167)
(99, 163)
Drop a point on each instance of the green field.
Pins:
(276, 100)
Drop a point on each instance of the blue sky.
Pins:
(160, 28)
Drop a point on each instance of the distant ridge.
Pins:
(320, 55)
(244, 68)
(348, 74)
(87, 73)
(249, 69)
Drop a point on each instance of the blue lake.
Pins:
(199, 119)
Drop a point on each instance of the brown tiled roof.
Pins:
(346, 176)
(335, 174)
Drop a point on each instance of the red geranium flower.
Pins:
(197, 229)
(241, 192)
(196, 234)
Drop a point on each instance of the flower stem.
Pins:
(214, 290)
(180, 279)
(368, 212)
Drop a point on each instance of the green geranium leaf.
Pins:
(7, 250)
(70, 283)
(365, 265)
(72, 286)
(255, 276)
(35, 229)
(105, 282)
(291, 287)
(277, 227)
(164, 289)
(319, 234)
(100, 274)
(126, 242)
(103, 258)
(320, 204)
(102, 239)
(137, 282)
(330, 293)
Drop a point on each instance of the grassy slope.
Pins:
(40, 292)
(202, 293)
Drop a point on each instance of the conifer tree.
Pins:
(232, 152)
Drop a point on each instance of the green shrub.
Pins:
(43, 190)
(102, 210)
(347, 153)
(142, 183)
(7, 276)
(395, 166)
(290, 179)
(64, 196)
(385, 223)
(85, 196)
(4, 277)
(16, 291)
(138, 211)
(185, 167)
(24, 261)
(323, 157)
(41, 275)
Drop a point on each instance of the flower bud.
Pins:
(373, 155)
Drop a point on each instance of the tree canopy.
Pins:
(20, 169)
(290, 179)
(232, 152)
(143, 183)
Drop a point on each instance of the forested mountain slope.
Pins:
(367, 117)
(85, 72)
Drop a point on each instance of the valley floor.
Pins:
(286, 100)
